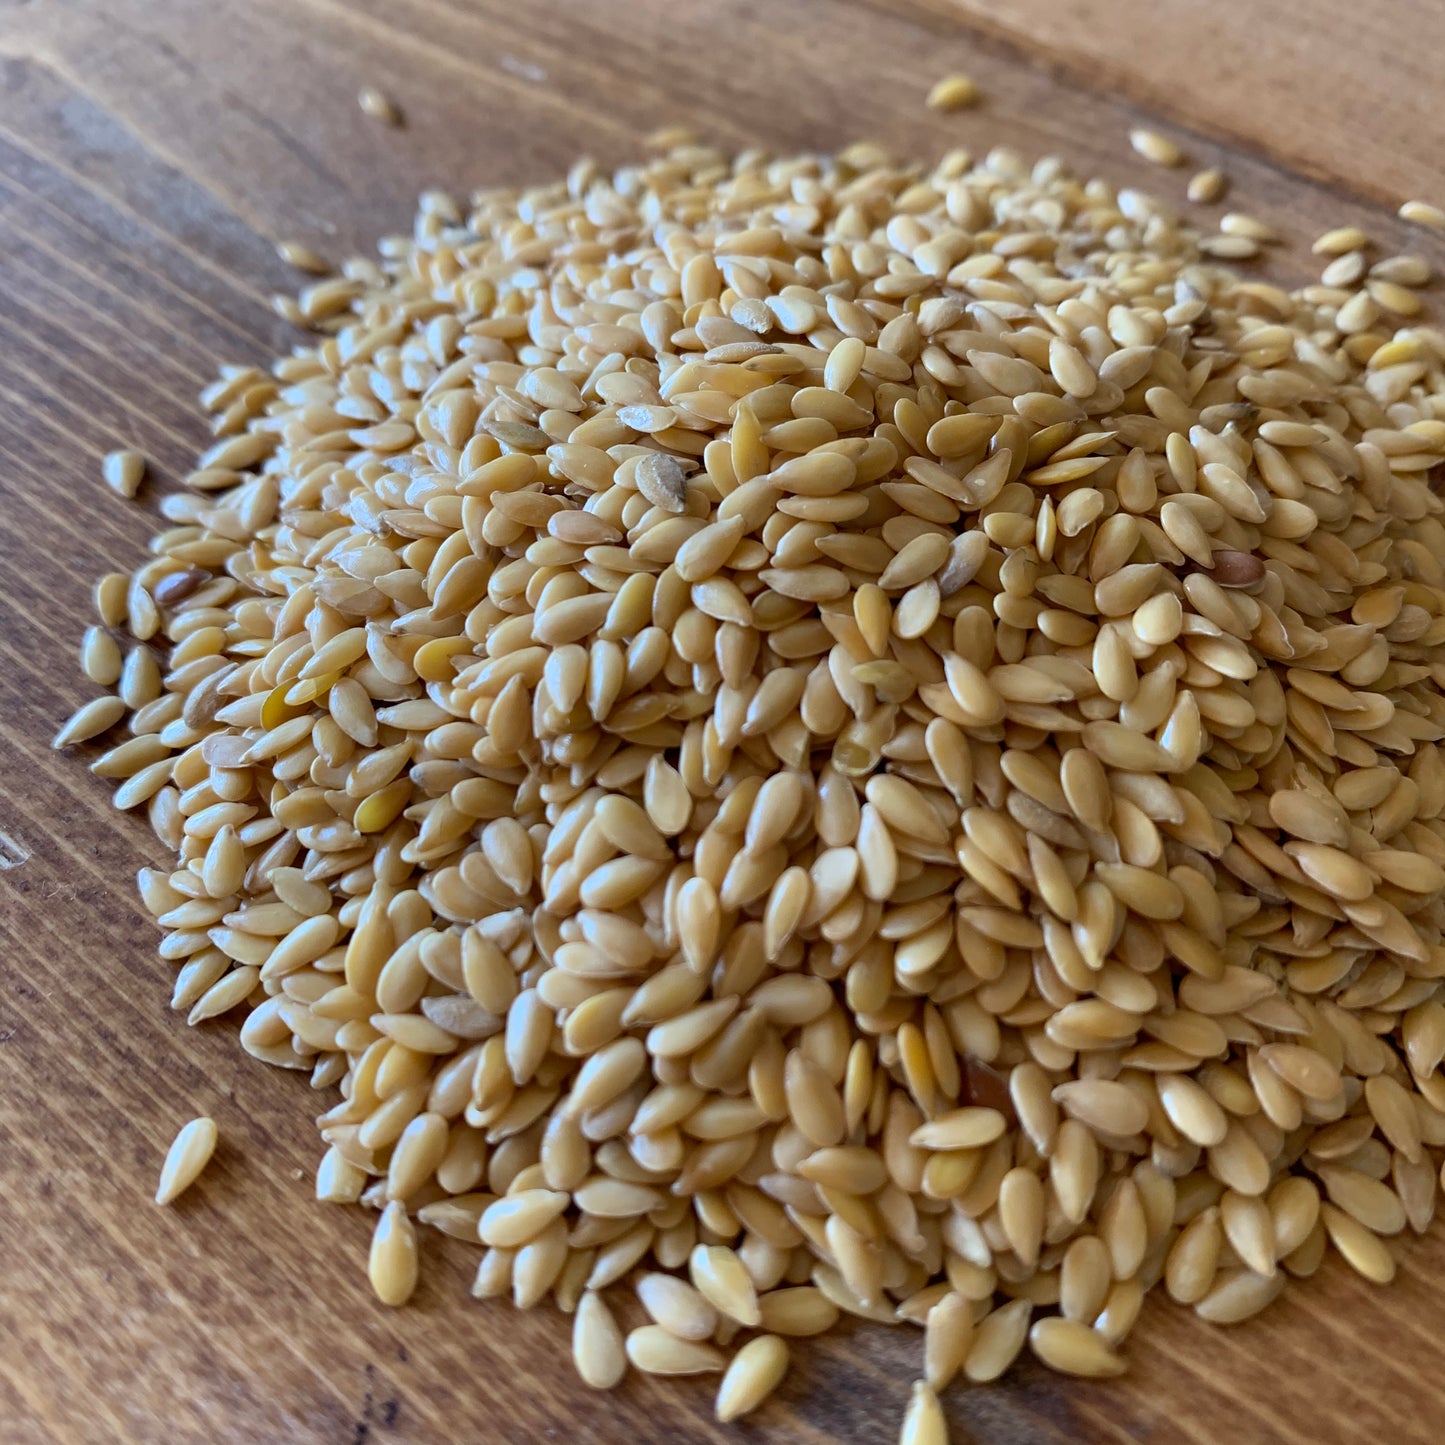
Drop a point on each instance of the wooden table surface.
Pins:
(151, 151)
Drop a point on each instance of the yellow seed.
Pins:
(1207, 186)
(393, 1265)
(924, 1422)
(89, 721)
(1155, 147)
(1422, 213)
(754, 1373)
(952, 92)
(1341, 240)
(302, 257)
(382, 808)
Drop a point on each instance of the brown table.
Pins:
(150, 153)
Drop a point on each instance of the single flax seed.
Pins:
(1207, 186)
(1422, 213)
(189, 1153)
(303, 257)
(953, 92)
(752, 1375)
(378, 106)
(1156, 148)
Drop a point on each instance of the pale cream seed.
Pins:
(189, 1153)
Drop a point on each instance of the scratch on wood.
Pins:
(12, 852)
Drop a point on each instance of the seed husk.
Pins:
(662, 481)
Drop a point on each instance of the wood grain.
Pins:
(150, 153)
(1322, 86)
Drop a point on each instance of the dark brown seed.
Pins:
(177, 586)
(1237, 569)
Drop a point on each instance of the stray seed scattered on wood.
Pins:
(378, 106)
(89, 721)
(1155, 147)
(953, 92)
(189, 1153)
(1235, 224)
(1422, 213)
(302, 257)
(1230, 248)
(394, 1264)
(123, 472)
(1206, 187)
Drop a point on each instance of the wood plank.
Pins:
(150, 151)
(1321, 86)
